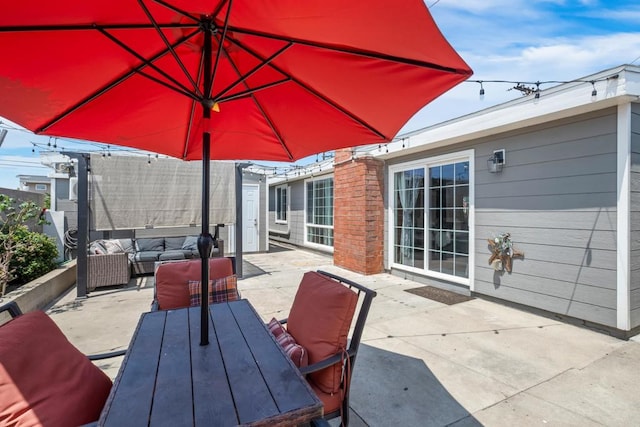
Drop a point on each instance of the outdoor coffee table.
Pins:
(241, 377)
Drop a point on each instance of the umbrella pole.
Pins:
(205, 240)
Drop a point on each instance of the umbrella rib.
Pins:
(143, 60)
(177, 10)
(314, 92)
(251, 72)
(194, 105)
(354, 51)
(251, 91)
(153, 22)
(84, 27)
(209, 89)
(264, 114)
(110, 86)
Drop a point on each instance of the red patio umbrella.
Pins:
(222, 79)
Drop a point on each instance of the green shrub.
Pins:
(34, 255)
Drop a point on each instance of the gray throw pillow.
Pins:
(190, 243)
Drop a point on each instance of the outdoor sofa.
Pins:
(113, 261)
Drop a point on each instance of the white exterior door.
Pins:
(250, 203)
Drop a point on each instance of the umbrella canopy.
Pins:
(222, 79)
(291, 78)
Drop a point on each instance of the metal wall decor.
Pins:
(502, 252)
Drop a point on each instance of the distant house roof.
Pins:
(36, 179)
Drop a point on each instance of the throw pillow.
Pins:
(190, 243)
(275, 327)
(295, 351)
(221, 290)
(97, 248)
(113, 246)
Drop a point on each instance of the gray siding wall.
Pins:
(635, 215)
(557, 197)
(293, 231)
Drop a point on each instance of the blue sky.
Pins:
(515, 40)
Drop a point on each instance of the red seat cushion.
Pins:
(172, 278)
(319, 320)
(331, 401)
(44, 379)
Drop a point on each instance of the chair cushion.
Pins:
(331, 401)
(44, 379)
(147, 256)
(172, 278)
(169, 255)
(319, 320)
(150, 244)
(173, 243)
(221, 290)
(295, 351)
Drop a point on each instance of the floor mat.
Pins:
(440, 295)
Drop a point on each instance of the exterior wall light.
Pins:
(496, 161)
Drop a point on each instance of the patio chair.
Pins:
(319, 321)
(177, 283)
(44, 379)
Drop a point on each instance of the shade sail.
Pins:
(129, 192)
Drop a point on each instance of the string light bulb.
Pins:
(481, 91)
(594, 92)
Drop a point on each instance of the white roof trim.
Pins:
(622, 85)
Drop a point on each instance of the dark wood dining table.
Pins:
(242, 377)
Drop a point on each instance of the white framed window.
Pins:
(431, 220)
(319, 212)
(282, 204)
(41, 187)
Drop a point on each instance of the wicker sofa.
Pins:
(113, 261)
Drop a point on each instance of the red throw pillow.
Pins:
(295, 351)
(44, 379)
(319, 320)
(222, 290)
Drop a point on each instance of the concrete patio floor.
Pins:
(422, 363)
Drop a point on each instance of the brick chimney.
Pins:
(358, 213)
